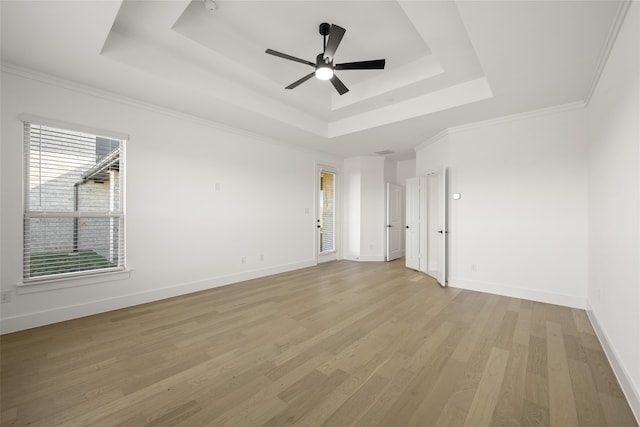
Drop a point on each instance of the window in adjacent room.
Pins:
(73, 203)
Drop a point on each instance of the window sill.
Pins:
(71, 282)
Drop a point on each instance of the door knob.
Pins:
(407, 226)
(389, 225)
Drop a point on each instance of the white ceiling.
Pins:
(448, 62)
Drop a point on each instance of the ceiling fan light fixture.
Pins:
(324, 68)
(324, 73)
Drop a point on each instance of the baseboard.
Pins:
(371, 258)
(351, 256)
(523, 293)
(61, 314)
(630, 390)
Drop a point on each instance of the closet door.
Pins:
(412, 228)
(443, 279)
(436, 226)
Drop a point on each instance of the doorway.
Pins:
(326, 220)
(395, 199)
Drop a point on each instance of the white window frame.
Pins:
(63, 280)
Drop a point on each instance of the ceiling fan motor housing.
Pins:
(321, 61)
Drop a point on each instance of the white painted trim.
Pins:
(60, 314)
(460, 94)
(621, 13)
(40, 77)
(518, 116)
(327, 257)
(337, 212)
(351, 256)
(435, 138)
(372, 258)
(58, 282)
(499, 120)
(630, 390)
(522, 293)
(72, 126)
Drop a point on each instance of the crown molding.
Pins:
(618, 20)
(110, 96)
(555, 109)
(500, 120)
(433, 139)
(41, 77)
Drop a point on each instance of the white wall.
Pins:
(390, 171)
(432, 155)
(364, 201)
(520, 228)
(405, 169)
(373, 194)
(183, 234)
(352, 211)
(614, 207)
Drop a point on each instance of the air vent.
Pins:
(384, 152)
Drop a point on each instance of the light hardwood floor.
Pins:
(339, 344)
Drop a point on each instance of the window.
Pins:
(73, 203)
(327, 211)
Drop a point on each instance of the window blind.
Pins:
(74, 220)
(327, 211)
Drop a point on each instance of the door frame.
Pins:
(336, 253)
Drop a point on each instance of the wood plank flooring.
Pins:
(339, 344)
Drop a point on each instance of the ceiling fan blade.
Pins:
(302, 80)
(376, 64)
(337, 83)
(289, 57)
(335, 37)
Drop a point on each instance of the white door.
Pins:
(394, 221)
(444, 236)
(436, 226)
(326, 219)
(412, 229)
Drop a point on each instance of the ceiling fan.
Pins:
(324, 66)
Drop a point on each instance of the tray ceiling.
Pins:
(448, 63)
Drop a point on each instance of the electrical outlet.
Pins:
(244, 260)
(474, 268)
(261, 257)
(5, 297)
